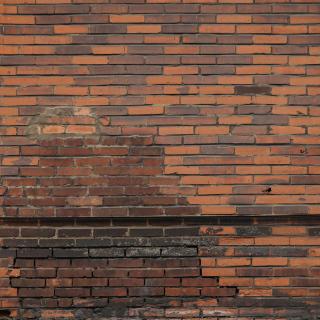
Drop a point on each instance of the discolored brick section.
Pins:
(161, 269)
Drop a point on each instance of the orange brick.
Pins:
(180, 70)
(235, 80)
(314, 50)
(272, 241)
(8, 292)
(314, 130)
(269, 100)
(235, 120)
(182, 150)
(313, 91)
(254, 28)
(253, 49)
(145, 110)
(218, 272)
(290, 110)
(198, 99)
(181, 170)
(288, 70)
(289, 29)
(300, 81)
(176, 130)
(90, 101)
(236, 100)
(304, 121)
(226, 262)
(238, 282)
(272, 282)
(218, 210)
(108, 90)
(313, 29)
(18, 101)
(89, 60)
(303, 60)
(78, 129)
(265, 39)
(181, 49)
(17, 19)
(215, 190)
(206, 200)
(269, 59)
(255, 292)
(208, 262)
(304, 241)
(212, 130)
(252, 150)
(272, 261)
(71, 91)
(86, 201)
(218, 28)
(287, 130)
(55, 129)
(290, 230)
(48, 314)
(9, 111)
(253, 69)
(288, 90)
(216, 90)
(162, 100)
(164, 80)
(11, 161)
(7, 70)
(253, 170)
(8, 9)
(233, 18)
(69, 29)
(303, 19)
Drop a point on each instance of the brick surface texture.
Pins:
(160, 159)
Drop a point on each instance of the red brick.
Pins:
(218, 28)
(126, 18)
(156, 108)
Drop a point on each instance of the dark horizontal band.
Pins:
(164, 220)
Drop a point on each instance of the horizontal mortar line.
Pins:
(299, 219)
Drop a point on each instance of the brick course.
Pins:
(119, 111)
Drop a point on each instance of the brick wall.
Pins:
(115, 113)
(161, 269)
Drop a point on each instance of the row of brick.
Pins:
(152, 230)
(244, 6)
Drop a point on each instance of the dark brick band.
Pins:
(171, 220)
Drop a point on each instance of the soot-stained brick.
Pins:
(252, 90)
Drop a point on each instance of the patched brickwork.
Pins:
(156, 269)
(159, 159)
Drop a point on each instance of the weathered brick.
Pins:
(190, 110)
